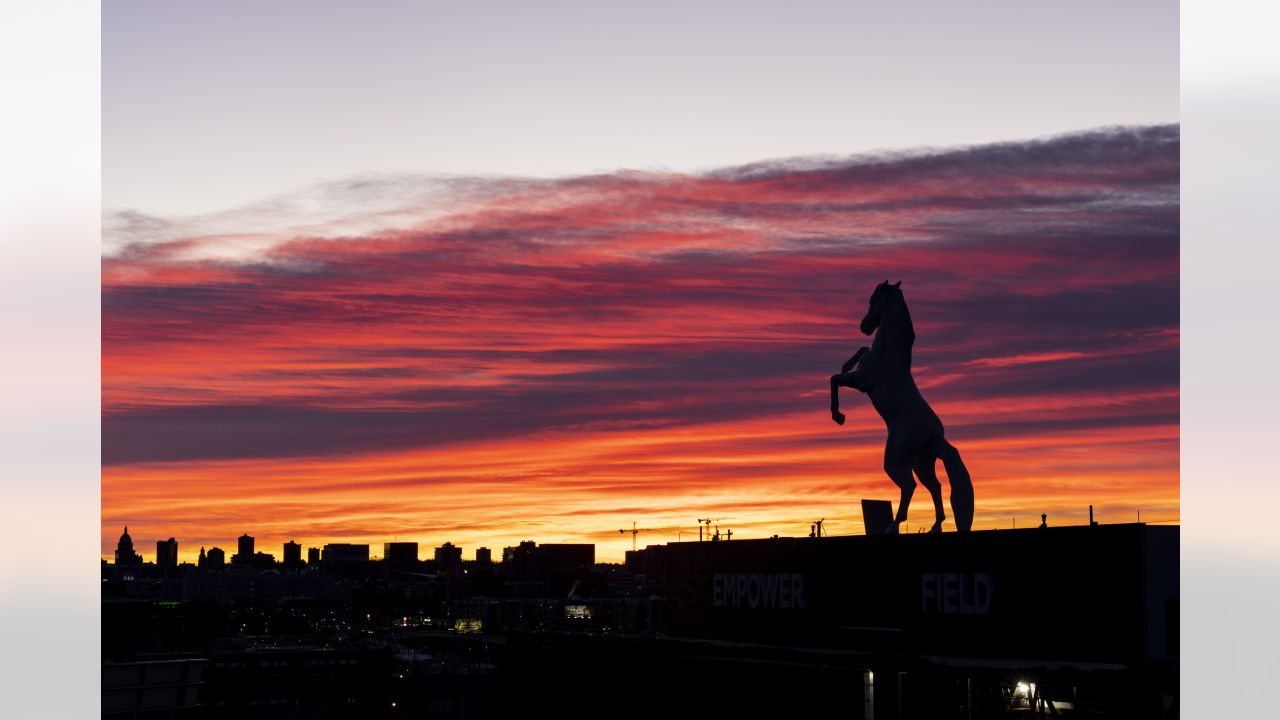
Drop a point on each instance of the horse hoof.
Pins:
(937, 528)
(838, 417)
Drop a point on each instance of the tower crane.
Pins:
(634, 531)
(707, 522)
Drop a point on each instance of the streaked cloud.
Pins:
(485, 360)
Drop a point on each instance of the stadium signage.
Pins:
(955, 593)
(758, 590)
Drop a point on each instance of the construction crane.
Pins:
(728, 534)
(634, 531)
(707, 522)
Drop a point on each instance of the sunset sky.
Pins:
(503, 271)
(555, 359)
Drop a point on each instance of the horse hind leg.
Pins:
(901, 476)
(961, 483)
(929, 479)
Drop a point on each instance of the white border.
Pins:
(49, 431)
(50, 664)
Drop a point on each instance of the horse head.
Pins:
(875, 308)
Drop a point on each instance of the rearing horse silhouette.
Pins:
(915, 439)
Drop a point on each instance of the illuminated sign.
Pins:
(758, 590)
(955, 593)
(577, 611)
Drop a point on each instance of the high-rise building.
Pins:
(552, 568)
(400, 552)
(167, 553)
(484, 556)
(202, 560)
(244, 551)
(292, 555)
(514, 554)
(344, 553)
(125, 554)
(345, 560)
(216, 559)
(313, 556)
(448, 556)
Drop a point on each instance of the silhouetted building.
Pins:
(313, 556)
(300, 681)
(216, 559)
(448, 556)
(550, 570)
(400, 552)
(202, 560)
(345, 552)
(152, 689)
(484, 556)
(292, 555)
(125, 554)
(244, 552)
(167, 554)
(260, 589)
(509, 554)
(345, 560)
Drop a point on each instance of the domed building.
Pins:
(125, 554)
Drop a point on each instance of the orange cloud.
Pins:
(553, 360)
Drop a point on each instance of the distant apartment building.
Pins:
(244, 550)
(448, 556)
(167, 554)
(400, 552)
(292, 555)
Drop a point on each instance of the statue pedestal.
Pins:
(877, 517)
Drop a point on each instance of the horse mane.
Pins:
(895, 324)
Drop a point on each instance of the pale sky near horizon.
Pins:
(208, 107)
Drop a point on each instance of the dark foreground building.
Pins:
(1071, 622)
(1068, 622)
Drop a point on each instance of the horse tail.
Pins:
(959, 480)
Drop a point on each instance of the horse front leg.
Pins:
(853, 361)
(846, 378)
(835, 399)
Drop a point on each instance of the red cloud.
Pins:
(557, 357)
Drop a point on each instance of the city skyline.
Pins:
(285, 546)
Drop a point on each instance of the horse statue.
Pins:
(916, 439)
